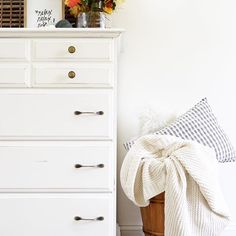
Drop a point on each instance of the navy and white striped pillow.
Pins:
(200, 124)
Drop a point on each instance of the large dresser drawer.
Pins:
(72, 166)
(56, 215)
(85, 114)
(14, 49)
(96, 49)
(73, 75)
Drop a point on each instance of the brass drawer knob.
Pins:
(71, 74)
(71, 49)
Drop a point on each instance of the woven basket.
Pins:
(12, 13)
(153, 216)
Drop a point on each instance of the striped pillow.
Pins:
(200, 124)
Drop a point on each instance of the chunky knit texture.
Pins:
(187, 172)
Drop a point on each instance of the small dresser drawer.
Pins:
(78, 166)
(14, 49)
(14, 75)
(71, 49)
(55, 114)
(59, 215)
(73, 75)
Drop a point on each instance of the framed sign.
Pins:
(43, 13)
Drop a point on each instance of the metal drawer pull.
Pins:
(71, 74)
(78, 218)
(77, 166)
(71, 49)
(77, 113)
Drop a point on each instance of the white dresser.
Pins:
(58, 132)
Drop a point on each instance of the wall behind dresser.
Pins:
(175, 53)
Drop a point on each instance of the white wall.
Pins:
(175, 53)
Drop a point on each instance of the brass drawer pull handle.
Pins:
(77, 166)
(71, 49)
(100, 113)
(78, 218)
(71, 74)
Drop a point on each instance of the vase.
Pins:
(96, 19)
(82, 20)
(91, 19)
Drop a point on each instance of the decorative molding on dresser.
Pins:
(60, 33)
(58, 122)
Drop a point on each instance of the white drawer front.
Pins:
(84, 49)
(52, 114)
(84, 75)
(14, 49)
(48, 215)
(78, 166)
(14, 75)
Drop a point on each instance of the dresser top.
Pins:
(62, 33)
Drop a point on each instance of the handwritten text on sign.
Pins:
(44, 18)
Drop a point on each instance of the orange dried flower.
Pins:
(108, 10)
(72, 3)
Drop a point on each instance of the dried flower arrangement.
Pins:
(79, 6)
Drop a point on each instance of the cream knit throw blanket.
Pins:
(187, 172)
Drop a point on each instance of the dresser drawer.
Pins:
(73, 75)
(75, 166)
(14, 75)
(14, 49)
(47, 215)
(57, 114)
(96, 49)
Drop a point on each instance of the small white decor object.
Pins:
(153, 120)
(43, 13)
